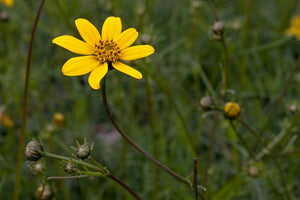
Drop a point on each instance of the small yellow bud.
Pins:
(231, 110)
(58, 119)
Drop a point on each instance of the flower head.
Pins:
(102, 51)
(295, 27)
(7, 2)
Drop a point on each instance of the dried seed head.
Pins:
(83, 151)
(70, 168)
(145, 38)
(206, 103)
(58, 119)
(37, 167)
(32, 150)
(218, 27)
(4, 16)
(44, 192)
(293, 108)
(253, 171)
(231, 110)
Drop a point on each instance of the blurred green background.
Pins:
(186, 66)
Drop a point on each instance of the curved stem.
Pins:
(24, 112)
(133, 144)
(119, 181)
(213, 8)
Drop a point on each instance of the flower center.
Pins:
(107, 51)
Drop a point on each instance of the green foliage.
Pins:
(161, 111)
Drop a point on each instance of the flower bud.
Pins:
(32, 151)
(44, 192)
(231, 110)
(58, 119)
(206, 103)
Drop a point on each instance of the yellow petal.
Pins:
(136, 52)
(96, 75)
(73, 44)
(80, 65)
(126, 38)
(88, 31)
(111, 28)
(127, 70)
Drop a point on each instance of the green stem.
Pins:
(24, 112)
(153, 135)
(282, 179)
(133, 144)
(58, 157)
(101, 173)
(226, 83)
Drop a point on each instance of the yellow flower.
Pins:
(295, 27)
(8, 2)
(102, 52)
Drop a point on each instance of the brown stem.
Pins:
(24, 112)
(133, 144)
(195, 178)
(213, 8)
(124, 185)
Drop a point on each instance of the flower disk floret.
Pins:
(102, 51)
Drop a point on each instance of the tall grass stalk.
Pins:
(24, 111)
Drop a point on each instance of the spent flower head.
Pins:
(84, 150)
(294, 30)
(102, 51)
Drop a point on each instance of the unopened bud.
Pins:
(32, 150)
(206, 103)
(44, 192)
(231, 110)
(58, 119)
